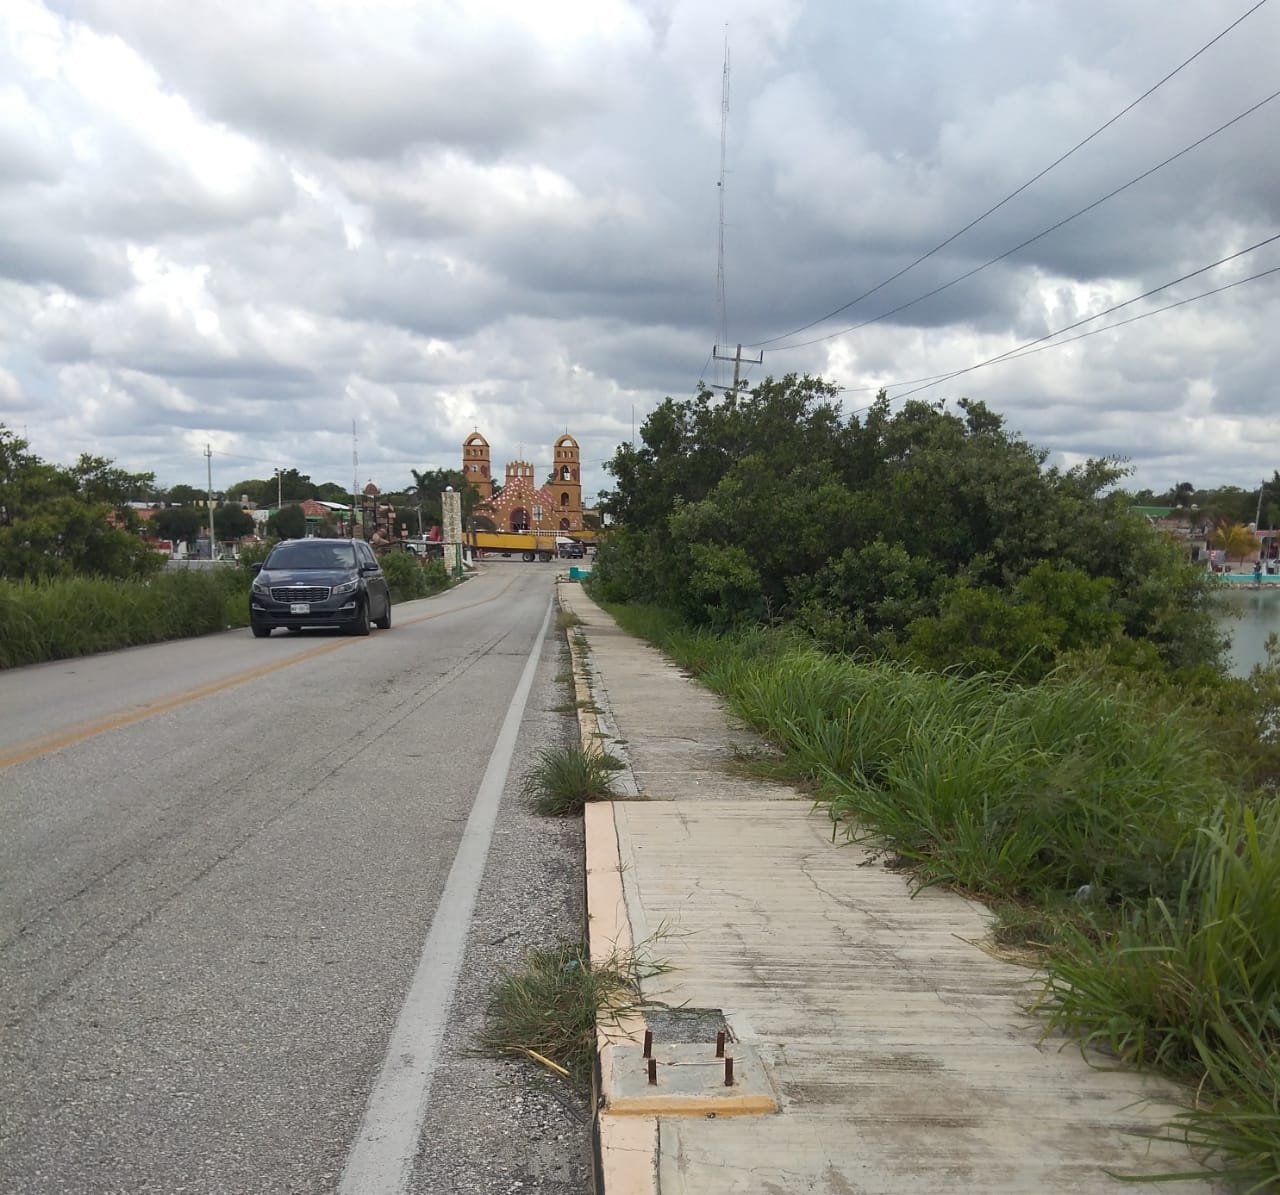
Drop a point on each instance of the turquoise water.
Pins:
(1256, 615)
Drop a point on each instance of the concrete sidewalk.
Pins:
(876, 1047)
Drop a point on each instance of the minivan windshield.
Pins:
(313, 553)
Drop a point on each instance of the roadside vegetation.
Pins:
(77, 577)
(997, 677)
(78, 616)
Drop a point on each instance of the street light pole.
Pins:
(1257, 516)
(279, 491)
(208, 456)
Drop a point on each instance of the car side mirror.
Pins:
(255, 569)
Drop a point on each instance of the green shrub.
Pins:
(411, 578)
(404, 576)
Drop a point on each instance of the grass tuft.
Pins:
(564, 779)
(550, 1008)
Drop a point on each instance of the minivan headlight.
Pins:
(261, 587)
(346, 587)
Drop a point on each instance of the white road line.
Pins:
(382, 1155)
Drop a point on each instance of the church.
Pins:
(521, 503)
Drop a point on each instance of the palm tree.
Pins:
(1235, 539)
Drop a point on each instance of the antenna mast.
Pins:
(721, 300)
(718, 356)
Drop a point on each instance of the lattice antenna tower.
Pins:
(721, 298)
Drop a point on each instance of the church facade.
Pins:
(522, 503)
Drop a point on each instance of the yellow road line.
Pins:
(86, 730)
(31, 748)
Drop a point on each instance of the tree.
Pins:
(1234, 539)
(261, 492)
(331, 491)
(232, 522)
(183, 523)
(186, 495)
(57, 522)
(288, 523)
(427, 487)
(98, 480)
(295, 486)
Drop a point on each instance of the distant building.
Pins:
(523, 504)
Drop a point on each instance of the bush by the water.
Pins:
(927, 533)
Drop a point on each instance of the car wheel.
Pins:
(361, 625)
(384, 623)
(260, 632)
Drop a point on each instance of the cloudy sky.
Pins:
(247, 225)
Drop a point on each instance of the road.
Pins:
(222, 862)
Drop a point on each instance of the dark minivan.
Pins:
(319, 583)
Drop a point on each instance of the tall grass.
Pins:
(1107, 825)
(78, 616)
(1192, 985)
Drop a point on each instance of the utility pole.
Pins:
(738, 359)
(279, 490)
(208, 458)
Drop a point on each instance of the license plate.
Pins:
(300, 608)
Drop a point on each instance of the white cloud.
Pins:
(248, 225)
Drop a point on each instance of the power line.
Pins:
(1133, 319)
(937, 290)
(1017, 354)
(1012, 194)
(1039, 340)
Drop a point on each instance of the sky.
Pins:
(297, 233)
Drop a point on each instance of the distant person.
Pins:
(1257, 569)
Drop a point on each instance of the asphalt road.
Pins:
(220, 863)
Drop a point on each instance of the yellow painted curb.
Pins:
(628, 1154)
(628, 1146)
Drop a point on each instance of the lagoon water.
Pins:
(1251, 615)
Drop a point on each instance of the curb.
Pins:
(627, 1145)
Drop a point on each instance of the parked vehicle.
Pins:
(319, 582)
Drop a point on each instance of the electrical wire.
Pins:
(1133, 319)
(937, 290)
(1022, 349)
(1012, 194)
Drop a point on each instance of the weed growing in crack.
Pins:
(549, 1010)
(564, 779)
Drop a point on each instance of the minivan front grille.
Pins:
(300, 593)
